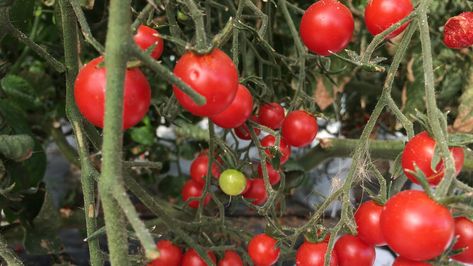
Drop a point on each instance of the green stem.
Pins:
(85, 26)
(8, 255)
(198, 17)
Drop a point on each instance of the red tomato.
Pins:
(274, 176)
(89, 93)
(284, 148)
(367, 219)
(464, 232)
(199, 168)
(271, 115)
(212, 75)
(249, 182)
(145, 37)
(299, 128)
(415, 226)
(326, 26)
(352, 251)
(169, 254)
(230, 258)
(313, 254)
(458, 31)
(192, 189)
(405, 262)
(237, 112)
(420, 151)
(192, 258)
(257, 192)
(243, 132)
(382, 14)
(263, 250)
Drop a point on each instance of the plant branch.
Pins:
(8, 255)
(85, 26)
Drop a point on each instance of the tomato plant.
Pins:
(192, 189)
(400, 261)
(457, 32)
(299, 128)
(169, 254)
(192, 258)
(230, 258)
(89, 94)
(200, 166)
(381, 14)
(352, 251)
(284, 148)
(256, 192)
(367, 219)
(464, 232)
(232, 182)
(263, 250)
(273, 174)
(271, 115)
(237, 112)
(146, 37)
(313, 254)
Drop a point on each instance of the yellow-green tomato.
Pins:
(232, 182)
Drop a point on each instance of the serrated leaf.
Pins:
(16, 147)
(459, 139)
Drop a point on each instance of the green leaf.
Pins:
(294, 174)
(16, 147)
(29, 173)
(171, 186)
(144, 135)
(459, 139)
(20, 91)
(15, 117)
(3, 171)
(415, 89)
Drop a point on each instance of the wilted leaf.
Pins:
(464, 121)
(325, 92)
(16, 147)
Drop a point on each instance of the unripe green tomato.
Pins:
(232, 182)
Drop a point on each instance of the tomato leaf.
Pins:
(16, 147)
(459, 139)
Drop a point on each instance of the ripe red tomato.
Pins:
(299, 128)
(411, 215)
(230, 258)
(89, 93)
(169, 254)
(458, 31)
(212, 75)
(274, 176)
(367, 219)
(400, 261)
(313, 254)
(243, 132)
(420, 151)
(352, 251)
(145, 37)
(237, 112)
(256, 192)
(263, 250)
(382, 14)
(326, 26)
(271, 115)
(284, 148)
(192, 258)
(192, 189)
(464, 232)
(199, 168)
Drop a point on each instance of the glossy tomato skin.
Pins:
(89, 94)
(230, 258)
(420, 151)
(400, 261)
(313, 254)
(212, 75)
(381, 14)
(232, 182)
(192, 189)
(263, 250)
(464, 232)
(237, 112)
(428, 225)
(367, 219)
(192, 258)
(169, 254)
(243, 131)
(327, 26)
(299, 128)
(256, 193)
(284, 148)
(273, 174)
(352, 251)
(199, 168)
(145, 37)
(271, 115)
(458, 31)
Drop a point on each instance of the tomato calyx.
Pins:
(317, 235)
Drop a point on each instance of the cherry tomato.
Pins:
(192, 258)
(89, 94)
(464, 232)
(274, 176)
(326, 26)
(382, 14)
(400, 261)
(199, 168)
(367, 219)
(257, 192)
(313, 254)
(232, 182)
(263, 250)
(230, 258)
(458, 31)
(243, 132)
(248, 186)
(192, 189)
(169, 254)
(212, 75)
(284, 148)
(145, 37)
(352, 251)
(271, 115)
(299, 128)
(420, 151)
(237, 112)
(415, 226)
